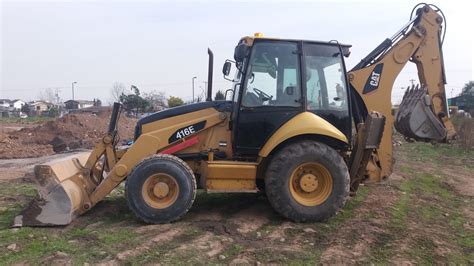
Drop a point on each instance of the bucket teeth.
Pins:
(415, 119)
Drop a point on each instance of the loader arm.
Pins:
(373, 78)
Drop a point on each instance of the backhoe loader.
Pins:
(298, 126)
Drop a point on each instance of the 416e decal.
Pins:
(186, 131)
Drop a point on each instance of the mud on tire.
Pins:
(283, 165)
(166, 165)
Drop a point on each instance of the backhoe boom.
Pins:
(373, 78)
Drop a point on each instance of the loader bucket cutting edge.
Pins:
(61, 193)
(416, 120)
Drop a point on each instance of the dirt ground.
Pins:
(70, 132)
(423, 214)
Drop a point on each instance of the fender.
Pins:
(302, 124)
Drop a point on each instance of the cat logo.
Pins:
(374, 79)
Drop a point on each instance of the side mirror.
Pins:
(241, 51)
(226, 68)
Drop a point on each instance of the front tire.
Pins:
(307, 181)
(160, 189)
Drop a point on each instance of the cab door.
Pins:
(326, 85)
(271, 94)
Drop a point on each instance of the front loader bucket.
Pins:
(416, 120)
(61, 193)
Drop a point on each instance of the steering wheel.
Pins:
(262, 95)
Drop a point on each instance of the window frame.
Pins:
(245, 76)
(305, 45)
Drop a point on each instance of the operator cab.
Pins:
(277, 79)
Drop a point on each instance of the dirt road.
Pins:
(423, 214)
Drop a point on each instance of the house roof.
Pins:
(39, 102)
(80, 101)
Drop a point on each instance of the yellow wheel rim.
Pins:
(160, 191)
(310, 184)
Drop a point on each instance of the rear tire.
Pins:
(307, 181)
(160, 189)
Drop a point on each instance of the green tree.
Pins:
(53, 111)
(134, 101)
(465, 100)
(468, 88)
(219, 96)
(174, 101)
(25, 109)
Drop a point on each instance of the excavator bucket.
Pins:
(61, 193)
(415, 119)
(65, 185)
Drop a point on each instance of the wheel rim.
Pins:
(310, 184)
(160, 191)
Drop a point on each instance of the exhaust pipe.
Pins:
(114, 118)
(209, 75)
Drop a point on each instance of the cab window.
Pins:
(272, 76)
(325, 80)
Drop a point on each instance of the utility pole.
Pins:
(412, 82)
(56, 93)
(73, 89)
(193, 86)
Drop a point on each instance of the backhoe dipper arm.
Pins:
(373, 79)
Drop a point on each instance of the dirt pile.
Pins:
(69, 132)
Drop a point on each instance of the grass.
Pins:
(233, 250)
(426, 215)
(348, 211)
(79, 243)
(82, 245)
(438, 154)
(426, 201)
(166, 252)
(11, 207)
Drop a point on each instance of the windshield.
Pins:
(272, 76)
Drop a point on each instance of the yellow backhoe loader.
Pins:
(299, 127)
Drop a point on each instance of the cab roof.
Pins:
(250, 39)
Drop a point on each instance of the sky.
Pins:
(161, 45)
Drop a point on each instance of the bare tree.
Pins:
(201, 97)
(157, 99)
(47, 95)
(117, 90)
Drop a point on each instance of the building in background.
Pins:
(39, 107)
(11, 108)
(17, 104)
(5, 103)
(78, 104)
